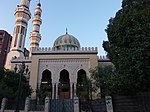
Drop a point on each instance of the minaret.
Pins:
(22, 14)
(35, 36)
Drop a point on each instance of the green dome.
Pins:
(66, 41)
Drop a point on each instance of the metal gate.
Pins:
(59, 105)
(98, 105)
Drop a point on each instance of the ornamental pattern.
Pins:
(64, 60)
(55, 66)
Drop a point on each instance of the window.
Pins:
(1, 35)
(1, 40)
(16, 38)
(20, 43)
(22, 30)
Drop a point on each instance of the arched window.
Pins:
(81, 76)
(46, 77)
(64, 85)
(64, 76)
(82, 85)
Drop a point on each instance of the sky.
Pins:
(85, 19)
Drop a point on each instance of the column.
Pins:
(47, 102)
(76, 104)
(3, 104)
(27, 104)
(38, 90)
(38, 86)
(75, 84)
(71, 93)
(76, 99)
(53, 90)
(109, 106)
(56, 90)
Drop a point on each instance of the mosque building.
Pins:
(62, 66)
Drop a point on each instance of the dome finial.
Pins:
(66, 31)
(39, 3)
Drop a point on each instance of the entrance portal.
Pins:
(82, 85)
(64, 85)
(46, 83)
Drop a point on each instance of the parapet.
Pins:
(103, 59)
(66, 50)
(21, 59)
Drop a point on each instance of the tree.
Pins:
(9, 81)
(129, 43)
(43, 92)
(83, 89)
(104, 80)
(84, 92)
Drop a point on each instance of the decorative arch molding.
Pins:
(57, 67)
(54, 71)
(81, 74)
(46, 74)
(84, 67)
(46, 70)
(66, 73)
(75, 72)
(79, 69)
(64, 68)
(41, 70)
(82, 70)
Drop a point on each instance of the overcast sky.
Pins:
(85, 19)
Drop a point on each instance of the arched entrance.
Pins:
(46, 84)
(64, 85)
(82, 85)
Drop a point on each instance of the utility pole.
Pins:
(21, 71)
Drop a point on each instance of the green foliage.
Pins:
(104, 79)
(85, 89)
(109, 81)
(9, 82)
(129, 43)
(42, 93)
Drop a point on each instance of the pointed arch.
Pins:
(64, 85)
(64, 76)
(81, 75)
(46, 83)
(82, 85)
(46, 77)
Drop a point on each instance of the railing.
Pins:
(98, 105)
